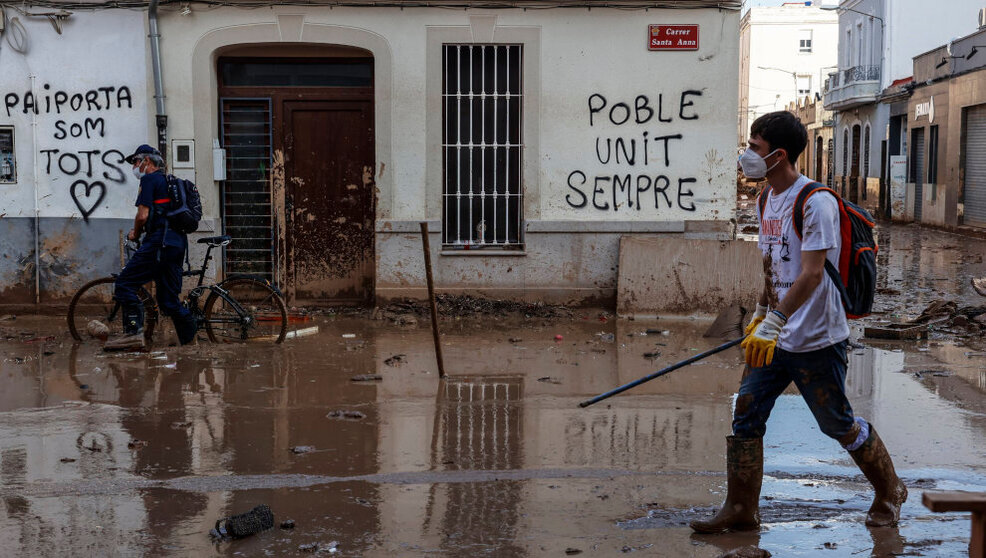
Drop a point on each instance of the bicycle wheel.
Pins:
(265, 317)
(94, 302)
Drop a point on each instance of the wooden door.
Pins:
(329, 200)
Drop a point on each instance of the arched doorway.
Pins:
(854, 169)
(297, 124)
(818, 159)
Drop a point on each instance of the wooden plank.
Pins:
(955, 501)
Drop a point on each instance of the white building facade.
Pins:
(877, 42)
(784, 51)
(529, 140)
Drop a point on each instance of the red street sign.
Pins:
(673, 37)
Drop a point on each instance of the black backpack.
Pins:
(856, 275)
(186, 206)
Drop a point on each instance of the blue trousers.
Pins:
(145, 266)
(821, 378)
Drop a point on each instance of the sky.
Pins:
(762, 3)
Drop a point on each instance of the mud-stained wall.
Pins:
(617, 139)
(695, 276)
(85, 107)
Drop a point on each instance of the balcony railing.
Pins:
(861, 73)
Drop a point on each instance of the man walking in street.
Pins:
(159, 258)
(799, 333)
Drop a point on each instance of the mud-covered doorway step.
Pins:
(301, 208)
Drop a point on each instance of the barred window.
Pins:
(481, 143)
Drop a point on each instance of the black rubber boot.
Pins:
(186, 329)
(133, 319)
(744, 473)
(874, 461)
(133, 330)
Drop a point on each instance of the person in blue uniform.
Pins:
(159, 258)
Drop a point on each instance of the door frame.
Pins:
(278, 95)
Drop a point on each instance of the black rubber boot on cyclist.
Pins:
(186, 329)
(133, 330)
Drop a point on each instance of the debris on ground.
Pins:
(287, 524)
(396, 360)
(303, 449)
(941, 315)
(67, 460)
(98, 330)
(606, 337)
(558, 337)
(310, 547)
(728, 324)
(136, 444)
(252, 522)
(351, 415)
(39, 339)
(180, 425)
(979, 285)
(573, 551)
(406, 320)
(366, 378)
(8, 318)
(549, 380)
(748, 551)
(652, 355)
(463, 306)
(515, 340)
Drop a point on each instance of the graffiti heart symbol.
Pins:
(89, 198)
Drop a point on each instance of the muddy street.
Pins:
(351, 434)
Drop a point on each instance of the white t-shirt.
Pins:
(821, 320)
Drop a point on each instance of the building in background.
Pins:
(815, 161)
(877, 41)
(783, 53)
(946, 134)
(320, 136)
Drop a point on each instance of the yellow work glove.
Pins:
(758, 347)
(758, 317)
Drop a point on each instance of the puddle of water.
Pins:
(493, 461)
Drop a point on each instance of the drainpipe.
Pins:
(37, 201)
(161, 119)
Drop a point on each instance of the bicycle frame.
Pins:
(196, 293)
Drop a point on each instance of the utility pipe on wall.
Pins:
(161, 118)
(37, 200)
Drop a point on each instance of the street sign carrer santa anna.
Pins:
(673, 37)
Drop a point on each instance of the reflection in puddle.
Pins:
(155, 447)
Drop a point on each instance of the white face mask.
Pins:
(137, 172)
(754, 166)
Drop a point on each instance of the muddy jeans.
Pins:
(821, 378)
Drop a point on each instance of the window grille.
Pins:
(481, 143)
(246, 129)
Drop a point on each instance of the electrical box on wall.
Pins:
(218, 161)
(8, 166)
(183, 154)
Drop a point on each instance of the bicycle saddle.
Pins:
(215, 240)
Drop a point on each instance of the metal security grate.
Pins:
(246, 129)
(482, 199)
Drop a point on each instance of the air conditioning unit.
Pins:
(982, 18)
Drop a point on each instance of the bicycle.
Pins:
(240, 308)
